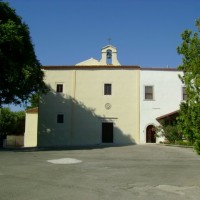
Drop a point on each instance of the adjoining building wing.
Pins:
(31, 127)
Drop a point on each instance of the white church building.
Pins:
(101, 101)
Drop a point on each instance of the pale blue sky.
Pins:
(146, 32)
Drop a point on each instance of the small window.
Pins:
(184, 95)
(107, 89)
(60, 118)
(148, 92)
(59, 88)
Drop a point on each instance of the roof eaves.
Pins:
(32, 110)
(167, 115)
(89, 67)
(159, 69)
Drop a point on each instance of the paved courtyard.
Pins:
(136, 172)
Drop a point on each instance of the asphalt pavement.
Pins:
(136, 172)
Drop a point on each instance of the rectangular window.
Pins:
(60, 118)
(59, 88)
(107, 89)
(184, 95)
(148, 92)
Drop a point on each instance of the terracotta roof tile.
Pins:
(167, 115)
(159, 69)
(32, 110)
(72, 67)
(89, 67)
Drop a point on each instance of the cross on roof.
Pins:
(109, 40)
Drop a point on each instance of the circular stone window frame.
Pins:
(108, 106)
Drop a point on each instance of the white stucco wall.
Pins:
(31, 125)
(83, 105)
(167, 96)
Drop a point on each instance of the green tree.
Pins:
(11, 123)
(20, 71)
(34, 101)
(189, 115)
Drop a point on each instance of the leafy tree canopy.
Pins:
(20, 71)
(34, 101)
(12, 123)
(189, 116)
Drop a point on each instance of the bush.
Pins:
(184, 143)
(197, 146)
(170, 132)
(12, 123)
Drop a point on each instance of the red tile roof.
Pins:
(32, 110)
(90, 67)
(159, 69)
(171, 114)
(72, 67)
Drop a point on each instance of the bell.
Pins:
(109, 55)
